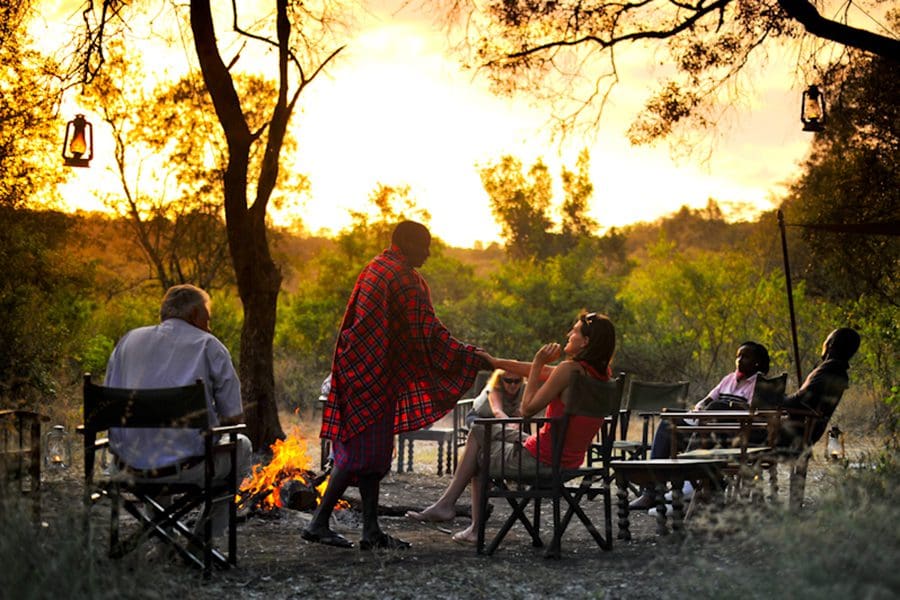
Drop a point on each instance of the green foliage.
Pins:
(687, 312)
(42, 302)
(578, 191)
(227, 320)
(38, 283)
(528, 303)
(95, 354)
(524, 207)
(521, 203)
(29, 135)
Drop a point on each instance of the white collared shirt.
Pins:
(731, 387)
(173, 353)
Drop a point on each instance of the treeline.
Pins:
(683, 292)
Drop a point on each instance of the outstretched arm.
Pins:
(495, 398)
(518, 367)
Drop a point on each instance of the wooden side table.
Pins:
(654, 474)
(444, 438)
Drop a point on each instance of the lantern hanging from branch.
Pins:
(812, 109)
(78, 146)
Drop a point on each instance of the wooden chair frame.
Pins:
(768, 391)
(746, 460)
(20, 453)
(646, 399)
(180, 407)
(583, 396)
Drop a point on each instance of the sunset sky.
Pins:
(398, 109)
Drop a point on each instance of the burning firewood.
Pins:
(286, 481)
(298, 496)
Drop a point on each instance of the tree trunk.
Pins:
(259, 281)
(258, 278)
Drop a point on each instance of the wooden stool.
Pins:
(653, 474)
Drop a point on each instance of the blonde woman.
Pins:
(500, 398)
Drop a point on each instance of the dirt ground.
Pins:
(274, 562)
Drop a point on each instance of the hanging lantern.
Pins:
(78, 146)
(812, 109)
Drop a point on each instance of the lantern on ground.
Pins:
(57, 449)
(78, 146)
(812, 109)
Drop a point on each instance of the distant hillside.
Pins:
(484, 261)
(109, 244)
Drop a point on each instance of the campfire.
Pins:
(287, 481)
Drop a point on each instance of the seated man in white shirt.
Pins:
(177, 352)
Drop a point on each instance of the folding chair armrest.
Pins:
(98, 442)
(465, 403)
(648, 414)
(25, 414)
(712, 428)
(222, 429)
(512, 421)
(802, 412)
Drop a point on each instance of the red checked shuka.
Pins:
(392, 349)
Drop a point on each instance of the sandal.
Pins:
(327, 537)
(384, 541)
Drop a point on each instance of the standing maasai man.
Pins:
(396, 368)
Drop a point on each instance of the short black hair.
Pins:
(760, 353)
(409, 231)
(844, 343)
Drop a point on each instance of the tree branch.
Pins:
(807, 15)
(629, 37)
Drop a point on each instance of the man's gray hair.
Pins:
(180, 302)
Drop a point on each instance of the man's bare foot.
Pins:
(432, 514)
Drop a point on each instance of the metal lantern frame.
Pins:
(812, 109)
(78, 145)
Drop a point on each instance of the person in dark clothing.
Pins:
(823, 388)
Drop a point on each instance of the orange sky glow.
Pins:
(397, 109)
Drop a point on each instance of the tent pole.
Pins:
(790, 296)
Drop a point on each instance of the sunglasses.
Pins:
(511, 380)
(588, 320)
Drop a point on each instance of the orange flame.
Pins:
(290, 461)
